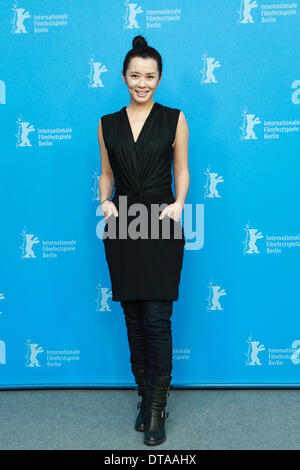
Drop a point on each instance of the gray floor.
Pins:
(104, 419)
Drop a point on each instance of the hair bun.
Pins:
(139, 42)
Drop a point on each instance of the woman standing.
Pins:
(138, 144)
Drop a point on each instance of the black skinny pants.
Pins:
(149, 334)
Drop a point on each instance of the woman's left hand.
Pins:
(173, 211)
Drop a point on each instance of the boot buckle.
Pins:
(164, 414)
(139, 405)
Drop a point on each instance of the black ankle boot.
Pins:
(155, 413)
(141, 379)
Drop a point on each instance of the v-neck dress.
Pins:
(146, 267)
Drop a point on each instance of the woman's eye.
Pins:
(135, 76)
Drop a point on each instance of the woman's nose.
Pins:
(141, 82)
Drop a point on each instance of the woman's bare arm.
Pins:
(106, 180)
(180, 160)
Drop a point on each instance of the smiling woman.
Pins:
(138, 145)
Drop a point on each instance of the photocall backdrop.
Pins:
(233, 69)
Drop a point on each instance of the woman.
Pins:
(137, 146)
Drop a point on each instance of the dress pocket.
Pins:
(108, 223)
(176, 229)
(175, 221)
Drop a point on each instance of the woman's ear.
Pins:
(159, 79)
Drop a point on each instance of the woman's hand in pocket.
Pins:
(173, 211)
(108, 208)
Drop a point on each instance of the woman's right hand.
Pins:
(108, 208)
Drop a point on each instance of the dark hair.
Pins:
(141, 49)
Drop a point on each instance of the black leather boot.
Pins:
(158, 391)
(141, 379)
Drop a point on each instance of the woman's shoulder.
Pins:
(110, 116)
(171, 111)
(168, 108)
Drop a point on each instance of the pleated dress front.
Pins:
(143, 268)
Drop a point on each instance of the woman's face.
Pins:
(142, 79)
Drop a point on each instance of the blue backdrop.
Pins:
(233, 69)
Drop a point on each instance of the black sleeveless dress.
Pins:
(143, 268)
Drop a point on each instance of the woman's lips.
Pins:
(141, 93)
